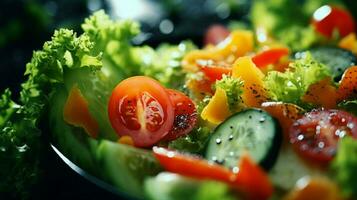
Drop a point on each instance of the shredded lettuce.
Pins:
(292, 84)
(233, 88)
(195, 142)
(344, 167)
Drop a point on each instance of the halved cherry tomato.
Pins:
(214, 73)
(249, 178)
(141, 108)
(216, 34)
(185, 114)
(348, 84)
(315, 135)
(269, 56)
(327, 18)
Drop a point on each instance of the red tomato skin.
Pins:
(185, 115)
(140, 107)
(315, 136)
(269, 56)
(216, 34)
(327, 18)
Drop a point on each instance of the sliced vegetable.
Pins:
(336, 59)
(185, 114)
(315, 135)
(253, 131)
(285, 113)
(216, 34)
(349, 42)
(75, 112)
(233, 88)
(269, 56)
(328, 19)
(217, 110)
(248, 178)
(314, 188)
(141, 108)
(348, 85)
(322, 94)
(172, 186)
(215, 72)
(254, 92)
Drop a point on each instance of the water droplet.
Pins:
(350, 125)
(262, 119)
(300, 137)
(231, 153)
(214, 158)
(235, 170)
(221, 162)
(218, 141)
(321, 145)
(230, 137)
(340, 133)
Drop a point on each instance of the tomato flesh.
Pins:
(327, 18)
(185, 114)
(141, 108)
(316, 134)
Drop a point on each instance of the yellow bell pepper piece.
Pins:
(253, 86)
(349, 42)
(76, 112)
(217, 110)
(238, 44)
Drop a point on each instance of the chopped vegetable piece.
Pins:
(348, 84)
(254, 92)
(327, 19)
(75, 112)
(285, 113)
(323, 94)
(217, 110)
(253, 131)
(216, 34)
(250, 179)
(233, 89)
(141, 108)
(315, 135)
(215, 72)
(185, 115)
(269, 56)
(314, 188)
(349, 42)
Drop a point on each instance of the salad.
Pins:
(265, 110)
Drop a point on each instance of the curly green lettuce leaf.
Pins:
(20, 133)
(344, 167)
(233, 88)
(292, 84)
(194, 142)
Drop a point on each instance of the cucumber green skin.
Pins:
(264, 153)
(337, 59)
(122, 166)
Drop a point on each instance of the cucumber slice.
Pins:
(337, 59)
(253, 131)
